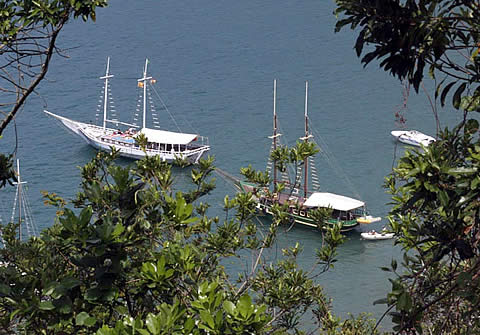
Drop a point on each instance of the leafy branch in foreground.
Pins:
(29, 31)
(435, 192)
(435, 215)
(409, 38)
(136, 257)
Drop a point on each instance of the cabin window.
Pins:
(294, 211)
(358, 212)
(302, 213)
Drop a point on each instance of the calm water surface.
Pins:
(215, 63)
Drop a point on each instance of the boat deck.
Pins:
(284, 198)
(120, 137)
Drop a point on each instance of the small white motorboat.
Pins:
(374, 235)
(413, 137)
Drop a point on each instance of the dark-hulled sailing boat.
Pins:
(348, 212)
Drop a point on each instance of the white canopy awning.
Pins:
(331, 200)
(167, 137)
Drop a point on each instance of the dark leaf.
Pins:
(458, 95)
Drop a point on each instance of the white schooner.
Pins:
(169, 145)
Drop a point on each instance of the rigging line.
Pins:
(14, 205)
(171, 116)
(332, 161)
(165, 107)
(24, 226)
(25, 220)
(283, 142)
(230, 179)
(2, 210)
(29, 212)
(2, 215)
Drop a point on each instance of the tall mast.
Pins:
(305, 163)
(105, 97)
(274, 132)
(19, 193)
(144, 84)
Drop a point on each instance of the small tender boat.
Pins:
(366, 219)
(413, 137)
(374, 235)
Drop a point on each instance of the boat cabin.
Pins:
(157, 140)
(344, 208)
(163, 140)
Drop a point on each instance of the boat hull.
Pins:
(413, 137)
(103, 139)
(135, 152)
(377, 236)
(264, 207)
(347, 225)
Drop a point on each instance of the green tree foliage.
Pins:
(29, 30)
(283, 156)
(7, 172)
(138, 257)
(435, 194)
(412, 36)
(435, 215)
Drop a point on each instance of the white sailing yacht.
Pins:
(169, 145)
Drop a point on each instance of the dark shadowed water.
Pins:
(215, 62)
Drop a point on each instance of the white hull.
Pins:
(103, 139)
(377, 236)
(413, 137)
(73, 126)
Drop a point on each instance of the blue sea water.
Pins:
(215, 63)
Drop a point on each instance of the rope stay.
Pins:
(30, 225)
(327, 155)
(111, 104)
(27, 228)
(286, 176)
(333, 163)
(164, 107)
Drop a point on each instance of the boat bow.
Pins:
(71, 125)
